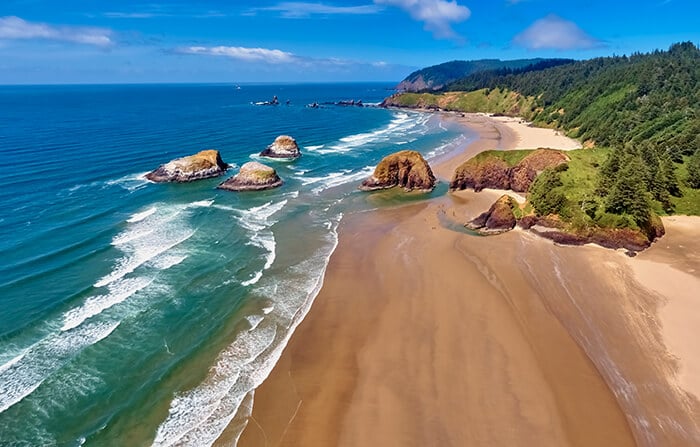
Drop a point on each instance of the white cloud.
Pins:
(553, 32)
(437, 15)
(15, 28)
(305, 9)
(242, 53)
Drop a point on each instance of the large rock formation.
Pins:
(284, 146)
(498, 219)
(479, 173)
(253, 176)
(490, 171)
(205, 164)
(406, 169)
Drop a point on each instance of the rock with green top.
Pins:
(405, 169)
(205, 164)
(253, 176)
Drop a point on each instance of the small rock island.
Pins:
(253, 176)
(284, 147)
(205, 164)
(406, 169)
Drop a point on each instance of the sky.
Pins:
(247, 41)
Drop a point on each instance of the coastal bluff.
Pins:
(495, 173)
(253, 176)
(406, 169)
(284, 147)
(202, 165)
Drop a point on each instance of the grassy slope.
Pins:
(484, 100)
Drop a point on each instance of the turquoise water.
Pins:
(134, 313)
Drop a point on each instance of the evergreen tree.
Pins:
(545, 196)
(629, 194)
(694, 170)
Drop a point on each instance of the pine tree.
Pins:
(694, 170)
(629, 195)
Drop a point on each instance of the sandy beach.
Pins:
(427, 336)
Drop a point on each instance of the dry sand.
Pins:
(425, 336)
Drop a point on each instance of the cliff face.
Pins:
(253, 176)
(479, 174)
(205, 164)
(406, 169)
(494, 173)
(284, 146)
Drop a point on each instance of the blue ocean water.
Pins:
(134, 313)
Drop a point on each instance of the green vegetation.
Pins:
(615, 101)
(640, 113)
(511, 158)
(437, 76)
(485, 101)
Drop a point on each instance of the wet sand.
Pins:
(422, 335)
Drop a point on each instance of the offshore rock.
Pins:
(406, 169)
(284, 146)
(498, 219)
(205, 164)
(253, 176)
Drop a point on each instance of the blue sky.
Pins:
(127, 41)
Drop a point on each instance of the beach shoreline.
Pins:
(425, 336)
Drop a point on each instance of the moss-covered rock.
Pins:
(406, 169)
(284, 146)
(253, 176)
(489, 170)
(524, 173)
(498, 219)
(205, 164)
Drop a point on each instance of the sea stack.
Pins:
(406, 169)
(253, 176)
(498, 219)
(205, 164)
(284, 147)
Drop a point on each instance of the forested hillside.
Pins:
(437, 76)
(644, 98)
(642, 112)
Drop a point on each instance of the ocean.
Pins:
(134, 313)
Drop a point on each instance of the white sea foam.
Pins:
(198, 417)
(27, 373)
(337, 180)
(314, 148)
(150, 237)
(254, 279)
(119, 291)
(138, 217)
(189, 410)
(254, 321)
(130, 182)
(400, 125)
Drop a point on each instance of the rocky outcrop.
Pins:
(632, 240)
(524, 173)
(284, 146)
(498, 219)
(253, 176)
(481, 172)
(205, 164)
(490, 171)
(405, 169)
